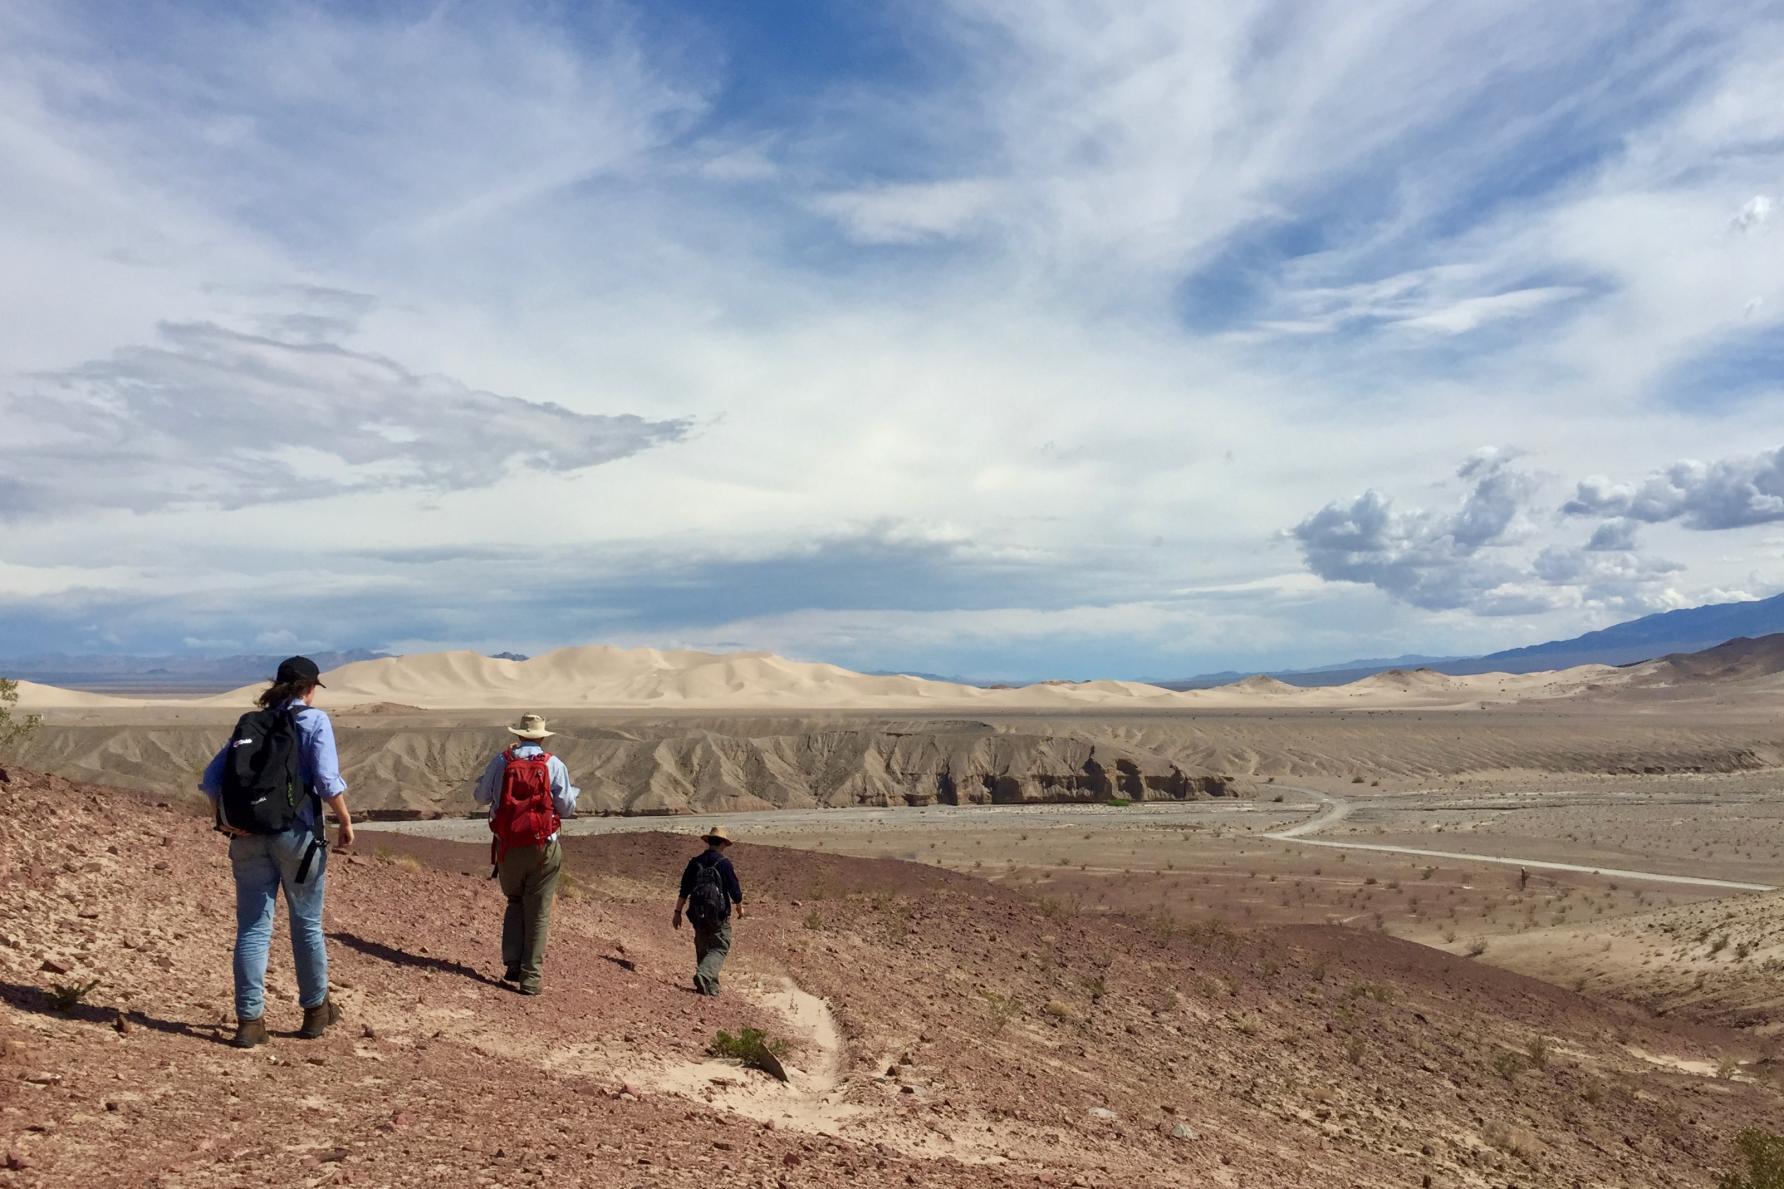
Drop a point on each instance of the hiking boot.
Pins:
(529, 988)
(511, 975)
(249, 1033)
(318, 1018)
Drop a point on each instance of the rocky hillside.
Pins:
(671, 767)
(941, 1032)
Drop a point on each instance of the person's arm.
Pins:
(563, 793)
(733, 889)
(687, 888)
(211, 780)
(489, 785)
(324, 763)
(337, 805)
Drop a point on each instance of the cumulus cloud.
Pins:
(1612, 536)
(1477, 557)
(209, 415)
(1729, 493)
(1423, 558)
(1754, 213)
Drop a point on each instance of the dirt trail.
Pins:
(1337, 809)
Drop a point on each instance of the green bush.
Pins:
(14, 731)
(68, 996)
(751, 1046)
(1763, 1154)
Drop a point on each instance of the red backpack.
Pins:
(525, 814)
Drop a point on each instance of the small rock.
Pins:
(88, 914)
(44, 1079)
(1184, 1131)
(121, 1025)
(16, 1161)
(1101, 1112)
(51, 966)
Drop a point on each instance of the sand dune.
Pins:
(603, 677)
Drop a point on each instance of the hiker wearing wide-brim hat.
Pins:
(531, 726)
(529, 793)
(709, 889)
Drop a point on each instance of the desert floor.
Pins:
(1642, 845)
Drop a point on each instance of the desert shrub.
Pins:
(1762, 1155)
(1097, 986)
(1353, 1050)
(1537, 1049)
(68, 996)
(411, 865)
(14, 731)
(814, 920)
(1004, 1008)
(751, 1046)
(1379, 992)
(1508, 1065)
(1477, 947)
(1059, 1009)
(1120, 802)
(1513, 1141)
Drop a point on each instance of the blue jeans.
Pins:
(263, 864)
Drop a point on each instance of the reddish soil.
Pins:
(972, 1037)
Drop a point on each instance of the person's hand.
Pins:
(343, 835)
(740, 912)
(678, 918)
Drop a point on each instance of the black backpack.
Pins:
(707, 903)
(262, 789)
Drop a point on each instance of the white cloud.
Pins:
(210, 415)
(910, 213)
(1468, 560)
(1471, 313)
(1728, 493)
(1754, 213)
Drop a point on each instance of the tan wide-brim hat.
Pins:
(530, 726)
(718, 836)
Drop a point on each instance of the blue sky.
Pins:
(1016, 340)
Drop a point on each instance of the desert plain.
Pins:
(1417, 930)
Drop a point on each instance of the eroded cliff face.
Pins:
(669, 767)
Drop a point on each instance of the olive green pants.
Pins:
(529, 876)
(711, 945)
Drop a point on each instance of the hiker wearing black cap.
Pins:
(269, 784)
(709, 888)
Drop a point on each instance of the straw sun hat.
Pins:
(530, 726)
(717, 835)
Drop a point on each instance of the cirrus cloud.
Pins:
(220, 417)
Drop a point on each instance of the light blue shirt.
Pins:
(563, 793)
(318, 765)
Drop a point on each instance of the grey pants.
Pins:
(529, 876)
(711, 945)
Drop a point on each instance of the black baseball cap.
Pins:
(298, 668)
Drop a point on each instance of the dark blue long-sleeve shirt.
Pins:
(727, 876)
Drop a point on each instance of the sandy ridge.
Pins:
(598, 676)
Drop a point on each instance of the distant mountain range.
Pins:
(1689, 629)
(111, 673)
